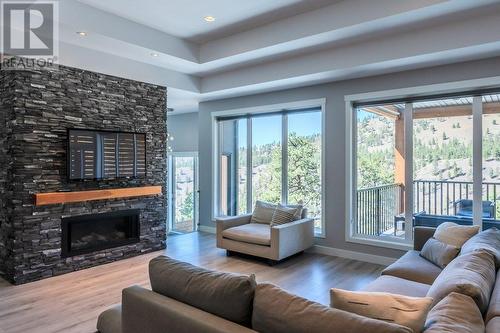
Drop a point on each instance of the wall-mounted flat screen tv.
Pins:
(106, 155)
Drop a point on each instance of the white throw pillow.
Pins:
(403, 310)
(454, 234)
(263, 212)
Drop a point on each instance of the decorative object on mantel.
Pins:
(52, 198)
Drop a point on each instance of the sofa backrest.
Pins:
(276, 310)
(229, 296)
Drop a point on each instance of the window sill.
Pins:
(396, 245)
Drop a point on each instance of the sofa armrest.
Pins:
(421, 236)
(232, 221)
(145, 311)
(290, 238)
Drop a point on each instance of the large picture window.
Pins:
(421, 163)
(273, 157)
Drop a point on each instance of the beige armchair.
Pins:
(237, 234)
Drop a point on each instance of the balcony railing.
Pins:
(438, 197)
(377, 208)
(380, 208)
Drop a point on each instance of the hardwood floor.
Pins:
(71, 303)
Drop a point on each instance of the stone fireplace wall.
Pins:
(37, 109)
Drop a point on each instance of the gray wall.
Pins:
(335, 134)
(184, 128)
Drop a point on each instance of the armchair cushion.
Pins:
(263, 212)
(253, 233)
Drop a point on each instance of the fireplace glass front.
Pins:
(89, 233)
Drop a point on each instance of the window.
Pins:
(423, 162)
(274, 157)
(266, 159)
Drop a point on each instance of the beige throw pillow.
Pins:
(403, 310)
(471, 274)
(283, 215)
(263, 212)
(455, 313)
(276, 311)
(439, 253)
(455, 234)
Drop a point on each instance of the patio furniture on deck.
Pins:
(463, 207)
(428, 220)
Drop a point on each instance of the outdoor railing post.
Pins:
(378, 210)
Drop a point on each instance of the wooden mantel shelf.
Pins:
(53, 198)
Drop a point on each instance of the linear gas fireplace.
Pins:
(89, 233)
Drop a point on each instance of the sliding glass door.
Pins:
(442, 157)
(380, 171)
(423, 163)
(270, 157)
(491, 157)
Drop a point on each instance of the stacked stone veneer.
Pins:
(37, 108)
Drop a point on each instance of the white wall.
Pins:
(184, 128)
(335, 135)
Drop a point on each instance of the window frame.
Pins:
(474, 88)
(263, 110)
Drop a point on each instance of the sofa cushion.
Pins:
(253, 233)
(494, 307)
(455, 313)
(276, 311)
(403, 310)
(493, 325)
(263, 212)
(412, 266)
(455, 234)
(439, 253)
(284, 215)
(471, 274)
(110, 321)
(226, 295)
(488, 240)
(395, 285)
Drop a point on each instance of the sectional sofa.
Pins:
(188, 299)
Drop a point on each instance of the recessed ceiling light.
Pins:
(154, 55)
(209, 18)
(82, 33)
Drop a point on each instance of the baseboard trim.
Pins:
(371, 258)
(208, 229)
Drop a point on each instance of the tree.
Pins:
(304, 173)
(187, 207)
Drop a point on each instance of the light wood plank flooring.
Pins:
(71, 303)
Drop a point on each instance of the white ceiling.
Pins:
(184, 18)
(263, 45)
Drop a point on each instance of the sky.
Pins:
(268, 129)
